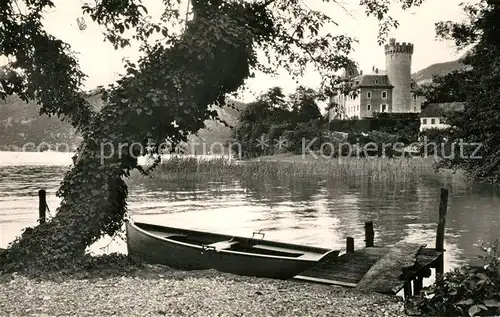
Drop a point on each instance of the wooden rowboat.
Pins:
(197, 250)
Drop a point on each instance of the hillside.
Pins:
(216, 135)
(425, 75)
(21, 125)
(22, 128)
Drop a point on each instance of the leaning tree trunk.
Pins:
(166, 97)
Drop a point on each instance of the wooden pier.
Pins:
(384, 269)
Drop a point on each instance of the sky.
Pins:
(103, 64)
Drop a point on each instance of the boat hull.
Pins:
(146, 246)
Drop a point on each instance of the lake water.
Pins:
(320, 213)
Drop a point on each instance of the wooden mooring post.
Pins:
(439, 262)
(369, 234)
(42, 206)
(443, 206)
(384, 269)
(369, 237)
(418, 284)
(349, 245)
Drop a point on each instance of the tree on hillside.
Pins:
(303, 103)
(253, 124)
(294, 118)
(274, 97)
(452, 87)
(477, 125)
(166, 94)
(262, 120)
(274, 100)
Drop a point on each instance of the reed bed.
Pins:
(223, 169)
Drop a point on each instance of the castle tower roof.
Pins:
(398, 47)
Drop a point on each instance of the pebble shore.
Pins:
(160, 291)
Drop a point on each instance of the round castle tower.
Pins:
(398, 68)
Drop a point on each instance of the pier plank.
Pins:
(385, 275)
(350, 268)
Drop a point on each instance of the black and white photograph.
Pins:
(250, 158)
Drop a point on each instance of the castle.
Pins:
(392, 90)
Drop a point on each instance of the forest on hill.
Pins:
(22, 128)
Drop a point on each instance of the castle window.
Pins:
(376, 81)
(384, 108)
(414, 97)
(433, 121)
(424, 121)
(384, 94)
(357, 108)
(369, 107)
(357, 82)
(369, 94)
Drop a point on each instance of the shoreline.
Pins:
(162, 291)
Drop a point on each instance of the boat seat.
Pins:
(303, 255)
(223, 245)
(271, 248)
(278, 249)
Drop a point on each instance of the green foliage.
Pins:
(93, 191)
(302, 133)
(41, 67)
(478, 123)
(164, 96)
(302, 125)
(434, 135)
(405, 126)
(451, 87)
(304, 105)
(435, 142)
(376, 143)
(272, 117)
(465, 291)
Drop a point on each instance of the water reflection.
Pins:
(320, 212)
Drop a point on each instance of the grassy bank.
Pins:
(161, 291)
(295, 166)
